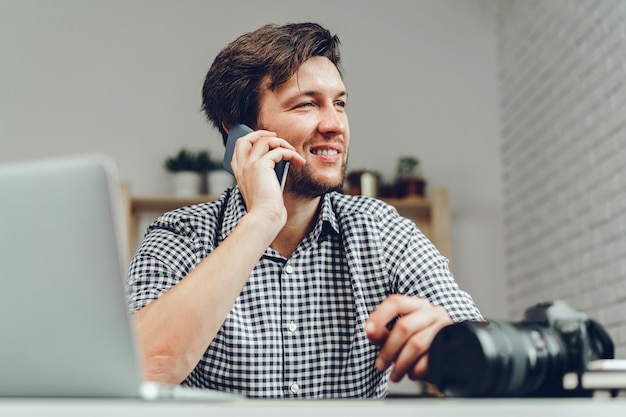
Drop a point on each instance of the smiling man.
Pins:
(287, 294)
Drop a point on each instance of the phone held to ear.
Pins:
(238, 130)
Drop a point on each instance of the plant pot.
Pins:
(186, 183)
(411, 187)
(218, 181)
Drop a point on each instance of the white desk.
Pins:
(419, 407)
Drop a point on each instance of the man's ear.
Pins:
(225, 127)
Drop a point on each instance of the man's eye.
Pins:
(340, 103)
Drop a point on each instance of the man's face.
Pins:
(309, 112)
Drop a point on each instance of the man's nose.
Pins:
(332, 121)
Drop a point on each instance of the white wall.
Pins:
(124, 77)
(564, 155)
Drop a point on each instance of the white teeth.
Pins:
(325, 152)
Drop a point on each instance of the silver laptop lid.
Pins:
(64, 326)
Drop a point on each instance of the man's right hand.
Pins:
(254, 159)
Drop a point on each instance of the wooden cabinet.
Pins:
(431, 215)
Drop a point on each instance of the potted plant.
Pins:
(215, 178)
(186, 169)
(409, 182)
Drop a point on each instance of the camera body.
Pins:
(522, 359)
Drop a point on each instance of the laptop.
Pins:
(65, 330)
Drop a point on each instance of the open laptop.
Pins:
(65, 330)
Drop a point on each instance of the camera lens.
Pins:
(497, 359)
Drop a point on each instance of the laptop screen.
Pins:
(65, 329)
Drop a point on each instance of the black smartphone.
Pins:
(238, 130)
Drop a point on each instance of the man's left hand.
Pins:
(406, 345)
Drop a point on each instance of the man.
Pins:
(288, 294)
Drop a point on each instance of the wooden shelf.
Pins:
(431, 215)
(166, 203)
(411, 206)
(415, 205)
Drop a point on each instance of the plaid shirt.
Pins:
(296, 328)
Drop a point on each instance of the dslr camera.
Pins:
(523, 359)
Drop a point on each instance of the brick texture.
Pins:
(563, 120)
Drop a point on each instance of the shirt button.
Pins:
(289, 269)
(294, 388)
(292, 327)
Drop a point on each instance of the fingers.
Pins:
(413, 354)
(419, 371)
(388, 314)
(407, 344)
(254, 159)
(263, 144)
(245, 145)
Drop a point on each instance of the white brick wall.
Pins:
(563, 118)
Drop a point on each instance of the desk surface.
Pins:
(426, 407)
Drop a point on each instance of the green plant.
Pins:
(407, 167)
(186, 160)
(206, 164)
(408, 178)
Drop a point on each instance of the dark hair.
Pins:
(232, 87)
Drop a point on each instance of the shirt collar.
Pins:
(327, 221)
(235, 209)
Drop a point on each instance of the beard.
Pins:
(301, 182)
